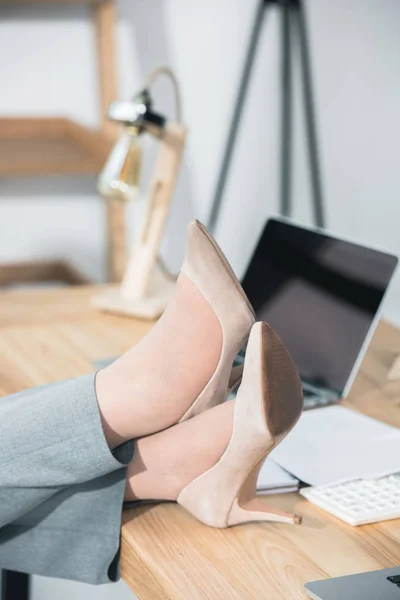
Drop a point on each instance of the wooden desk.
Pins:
(166, 554)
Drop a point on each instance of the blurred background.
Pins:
(48, 68)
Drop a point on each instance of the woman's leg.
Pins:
(55, 439)
(50, 436)
(73, 532)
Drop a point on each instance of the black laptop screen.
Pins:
(320, 294)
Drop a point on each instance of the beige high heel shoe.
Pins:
(268, 405)
(208, 269)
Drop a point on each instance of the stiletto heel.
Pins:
(208, 269)
(247, 507)
(268, 405)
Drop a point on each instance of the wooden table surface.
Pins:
(166, 554)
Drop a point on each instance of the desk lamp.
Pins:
(146, 287)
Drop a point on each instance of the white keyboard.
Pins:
(359, 502)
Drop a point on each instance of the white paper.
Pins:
(334, 444)
(274, 479)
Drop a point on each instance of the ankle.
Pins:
(165, 463)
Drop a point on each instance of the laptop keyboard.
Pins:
(311, 400)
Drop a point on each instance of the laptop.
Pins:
(323, 296)
(377, 585)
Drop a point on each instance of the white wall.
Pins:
(47, 67)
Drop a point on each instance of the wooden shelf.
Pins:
(17, 2)
(57, 146)
(41, 271)
(50, 146)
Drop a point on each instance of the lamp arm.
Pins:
(172, 77)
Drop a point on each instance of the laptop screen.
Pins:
(320, 294)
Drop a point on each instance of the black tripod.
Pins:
(293, 24)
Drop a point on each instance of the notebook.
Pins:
(334, 444)
(273, 479)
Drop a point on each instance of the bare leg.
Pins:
(164, 463)
(153, 384)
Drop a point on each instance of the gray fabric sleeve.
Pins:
(61, 488)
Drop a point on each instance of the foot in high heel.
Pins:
(183, 366)
(268, 405)
(210, 464)
(208, 269)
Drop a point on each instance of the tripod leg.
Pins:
(286, 112)
(14, 586)
(237, 113)
(309, 108)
